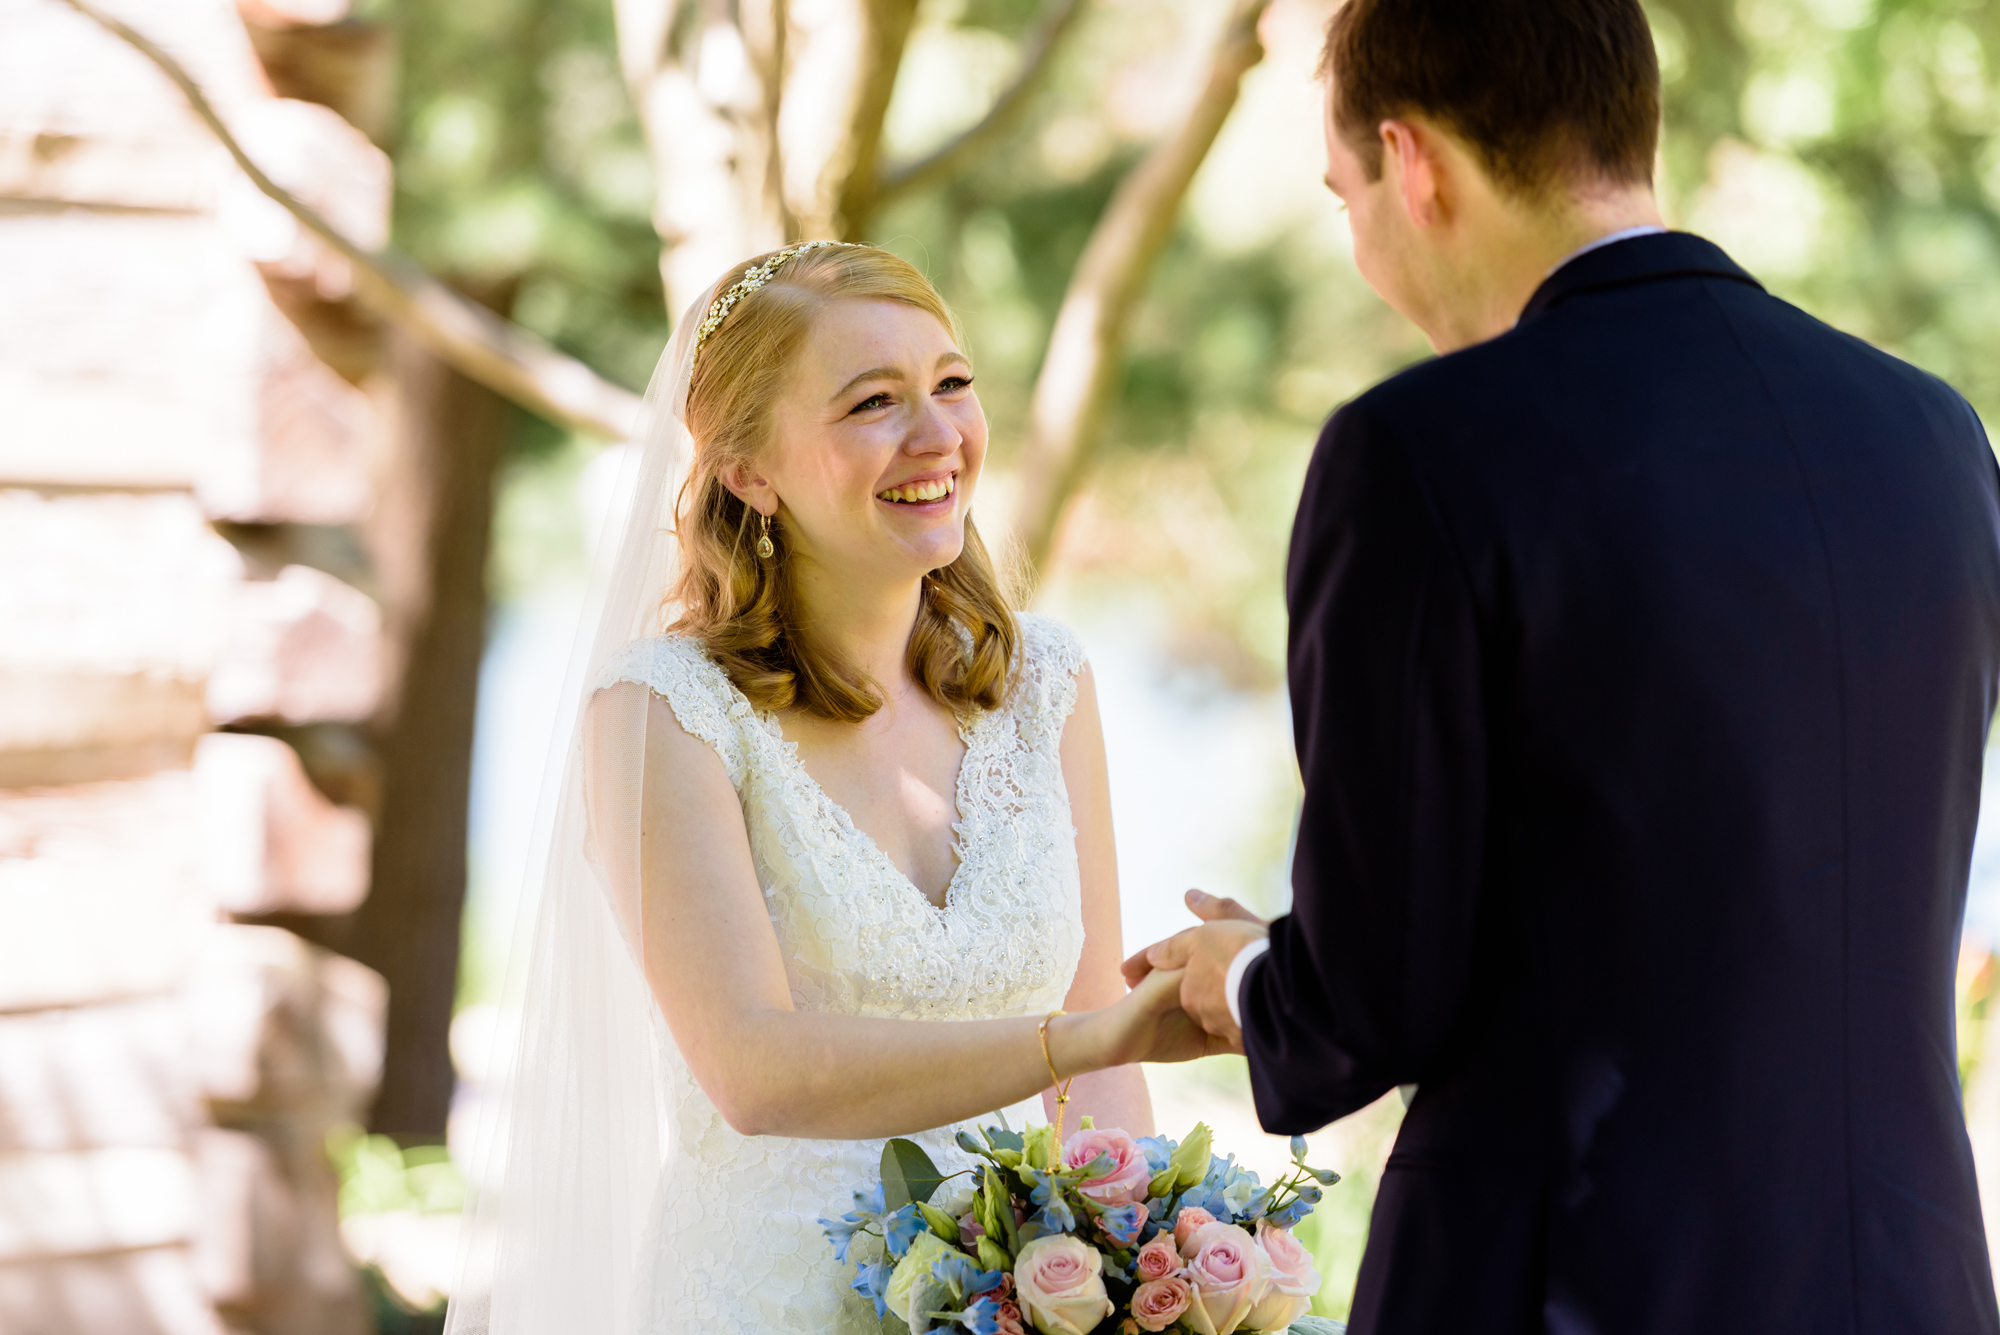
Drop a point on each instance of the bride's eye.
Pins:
(952, 384)
(872, 401)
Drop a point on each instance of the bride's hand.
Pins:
(1148, 1025)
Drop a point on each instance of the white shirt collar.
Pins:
(1648, 229)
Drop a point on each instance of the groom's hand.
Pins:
(1204, 953)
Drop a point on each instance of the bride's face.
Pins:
(877, 444)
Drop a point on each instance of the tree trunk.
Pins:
(429, 537)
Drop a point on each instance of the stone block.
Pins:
(268, 1247)
(271, 843)
(151, 1292)
(294, 13)
(282, 1031)
(96, 1077)
(343, 63)
(62, 73)
(142, 352)
(302, 648)
(101, 891)
(114, 615)
(80, 1202)
(328, 165)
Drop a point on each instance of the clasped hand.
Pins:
(1177, 1009)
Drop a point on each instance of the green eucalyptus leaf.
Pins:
(908, 1175)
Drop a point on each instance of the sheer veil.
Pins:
(566, 1153)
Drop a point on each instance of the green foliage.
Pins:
(1846, 151)
(521, 175)
(378, 1176)
(908, 1175)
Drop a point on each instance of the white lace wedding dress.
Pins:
(736, 1248)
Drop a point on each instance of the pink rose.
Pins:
(1061, 1283)
(1010, 1322)
(1230, 1274)
(1158, 1259)
(1186, 1222)
(1294, 1280)
(1126, 1183)
(1160, 1302)
(970, 1231)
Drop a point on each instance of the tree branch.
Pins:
(1080, 369)
(497, 353)
(1056, 23)
(885, 32)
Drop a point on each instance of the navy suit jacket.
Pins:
(1642, 661)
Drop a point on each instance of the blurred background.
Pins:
(301, 473)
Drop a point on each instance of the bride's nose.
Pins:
(931, 430)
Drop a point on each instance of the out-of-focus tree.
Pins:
(1846, 151)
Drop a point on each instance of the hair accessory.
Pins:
(719, 309)
(1061, 1085)
(765, 548)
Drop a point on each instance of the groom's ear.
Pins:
(1410, 160)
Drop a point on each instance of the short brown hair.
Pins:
(744, 609)
(1548, 92)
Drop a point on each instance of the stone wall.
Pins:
(183, 444)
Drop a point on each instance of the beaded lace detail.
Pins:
(737, 1247)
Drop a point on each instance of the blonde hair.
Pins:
(744, 609)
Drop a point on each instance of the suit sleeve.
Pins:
(1366, 976)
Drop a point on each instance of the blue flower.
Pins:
(900, 1229)
(1240, 1193)
(840, 1232)
(868, 1207)
(1209, 1198)
(982, 1318)
(963, 1277)
(1055, 1217)
(1290, 1215)
(1117, 1272)
(1298, 1147)
(970, 1143)
(1159, 1151)
(873, 1282)
(1121, 1224)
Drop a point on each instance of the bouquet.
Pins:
(1101, 1231)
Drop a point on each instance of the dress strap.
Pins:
(1044, 689)
(705, 702)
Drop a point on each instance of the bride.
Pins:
(832, 854)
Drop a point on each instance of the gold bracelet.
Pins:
(1060, 1085)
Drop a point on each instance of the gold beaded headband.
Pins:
(719, 309)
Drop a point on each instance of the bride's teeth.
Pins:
(922, 491)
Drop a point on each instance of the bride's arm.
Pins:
(1116, 1096)
(712, 961)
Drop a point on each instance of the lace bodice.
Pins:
(737, 1246)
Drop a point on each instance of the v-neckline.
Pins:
(968, 734)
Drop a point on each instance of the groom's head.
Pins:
(1468, 135)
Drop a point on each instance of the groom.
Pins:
(1643, 650)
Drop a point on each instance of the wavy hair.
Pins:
(744, 609)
